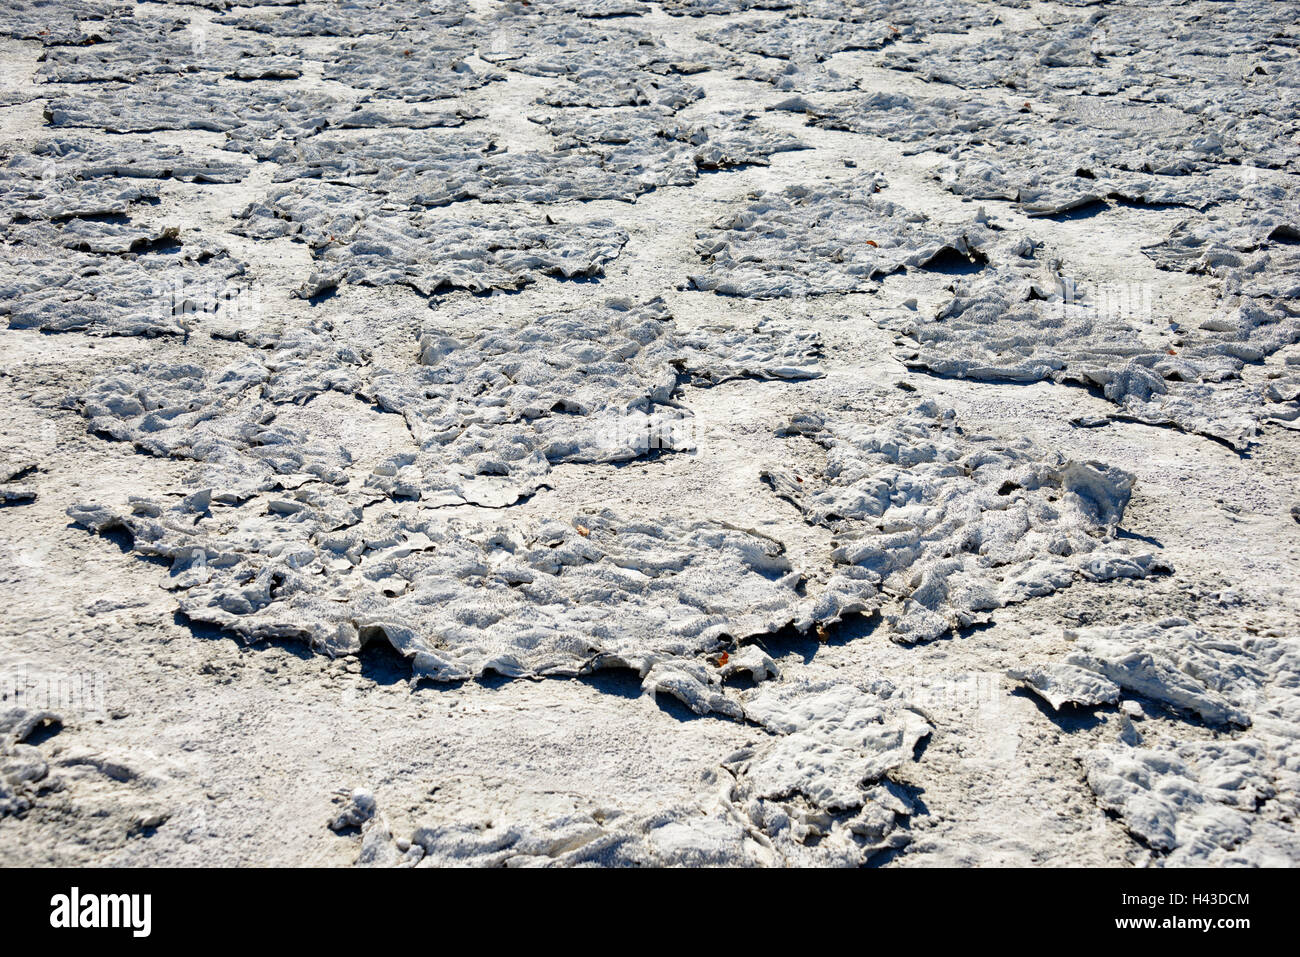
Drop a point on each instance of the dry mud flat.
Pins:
(601, 432)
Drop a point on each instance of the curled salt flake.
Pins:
(691, 684)
(1062, 684)
(24, 770)
(360, 808)
(18, 723)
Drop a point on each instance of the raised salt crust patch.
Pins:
(954, 525)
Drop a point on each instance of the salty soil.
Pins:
(602, 432)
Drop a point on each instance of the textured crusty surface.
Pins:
(698, 432)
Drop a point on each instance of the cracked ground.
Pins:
(706, 432)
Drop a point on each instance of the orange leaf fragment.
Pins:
(872, 242)
(723, 659)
